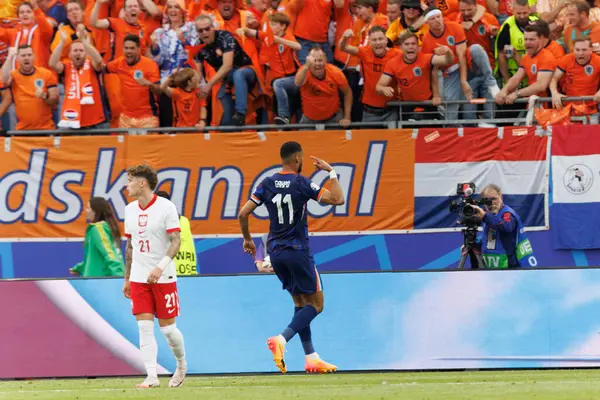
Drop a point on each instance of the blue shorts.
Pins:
(296, 270)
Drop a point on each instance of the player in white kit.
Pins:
(152, 231)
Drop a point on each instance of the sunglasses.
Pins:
(202, 30)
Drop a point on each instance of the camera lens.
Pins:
(468, 210)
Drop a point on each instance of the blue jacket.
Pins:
(504, 243)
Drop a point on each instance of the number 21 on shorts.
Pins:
(171, 301)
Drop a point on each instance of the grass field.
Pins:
(551, 385)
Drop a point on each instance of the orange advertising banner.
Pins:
(46, 183)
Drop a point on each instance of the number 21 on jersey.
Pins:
(144, 246)
(287, 199)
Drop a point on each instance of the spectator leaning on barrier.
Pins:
(581, 73)
(510, 43)
(320, 84)
(480, 56)
(504, 243)
(373, 58)
(186, 256)
(233, 66)
(537, 66)
(455, 77)
(416, 75)
(102, 245)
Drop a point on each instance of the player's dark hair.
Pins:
(523, 3)
(280, 18)
(24, 47)
(133, 38)
(288, 149)
(377, 28)
(163, 194)
(144, 171)
(78, 2)
(540, 27)
(373, 4)
(582, 39)
(104, 212)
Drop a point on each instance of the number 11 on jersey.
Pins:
(287, 199)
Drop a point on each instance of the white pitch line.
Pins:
(246, 387)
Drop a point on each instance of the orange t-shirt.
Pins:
(556, 49)
(372, 68)
(480, 34)
(91, 114)
(312, 20)
(453, 35)
(288, 9)
(581, 80)
(138, 101)
(186, 107)
(150, 23)
(320, 97)
(38, 35)
(571, 32)
(543, 61)
(414, 79)
(281, 59)
(121, 28)
(32, 113)
(449, 8)
(343, 21)
(101, 36)
(361, 30)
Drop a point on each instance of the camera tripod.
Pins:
(470, 249)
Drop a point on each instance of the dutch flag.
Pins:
(514, 158)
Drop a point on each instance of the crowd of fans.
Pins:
(192, 63)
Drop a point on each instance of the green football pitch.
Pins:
(560, 384)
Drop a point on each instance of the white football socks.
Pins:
(175, 340)
(282, 339)
(148, 347)
(312, 356)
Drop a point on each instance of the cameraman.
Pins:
(504, 243)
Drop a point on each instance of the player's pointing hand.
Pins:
(321, 164)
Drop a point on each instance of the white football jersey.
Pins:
(148, 230)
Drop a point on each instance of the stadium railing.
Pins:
(399, 123)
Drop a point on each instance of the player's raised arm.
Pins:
(243, 216)
(336, 196)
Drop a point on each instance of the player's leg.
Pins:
(144, 309)
(313, 362)
(167, 308)
(280, 260)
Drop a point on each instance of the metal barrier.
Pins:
(399, 123)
